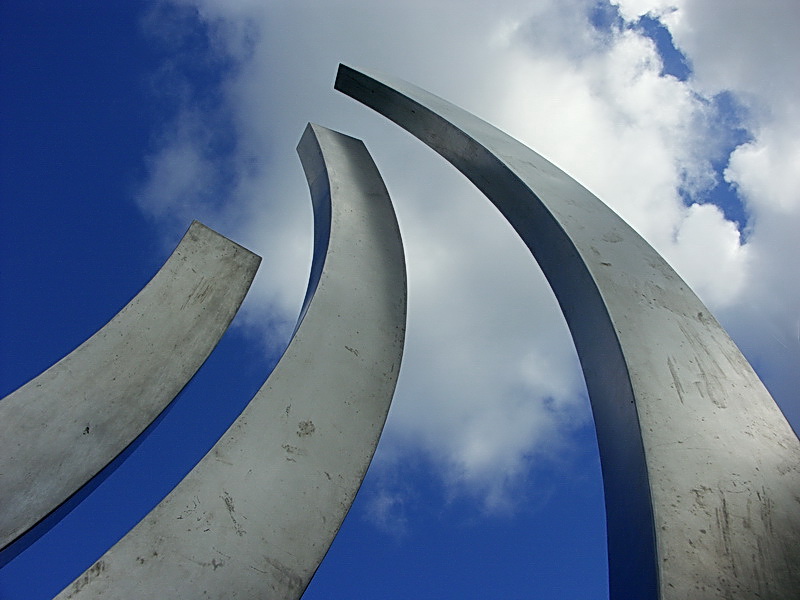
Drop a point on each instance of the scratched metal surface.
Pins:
(701, 470)
(61, 428)
(257, 514)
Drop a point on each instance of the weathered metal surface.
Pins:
(257, 514)
(61, 428)
(700, 468)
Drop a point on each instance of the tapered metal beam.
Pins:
(61, 428)
(257, 514)
(701, 470)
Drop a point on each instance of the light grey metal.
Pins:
(61, 428)
(257, 514)
(701, 470)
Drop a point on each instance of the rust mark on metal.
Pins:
(305, 428)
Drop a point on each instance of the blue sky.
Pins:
(123, 121)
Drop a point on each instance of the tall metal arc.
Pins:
(700, 468)
(256, 516)
(62, 427)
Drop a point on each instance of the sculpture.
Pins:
(700, 468)
(62, 427)
(258, 513)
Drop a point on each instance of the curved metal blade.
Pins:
(257, 514)
(701, 470)
(61, 428)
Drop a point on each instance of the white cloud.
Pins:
(490, 380)
(633, 9)
(708, 250)
(765, 170)
(385, 510)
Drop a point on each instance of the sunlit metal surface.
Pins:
(701, 470)
(257, 514)
(61, 428)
